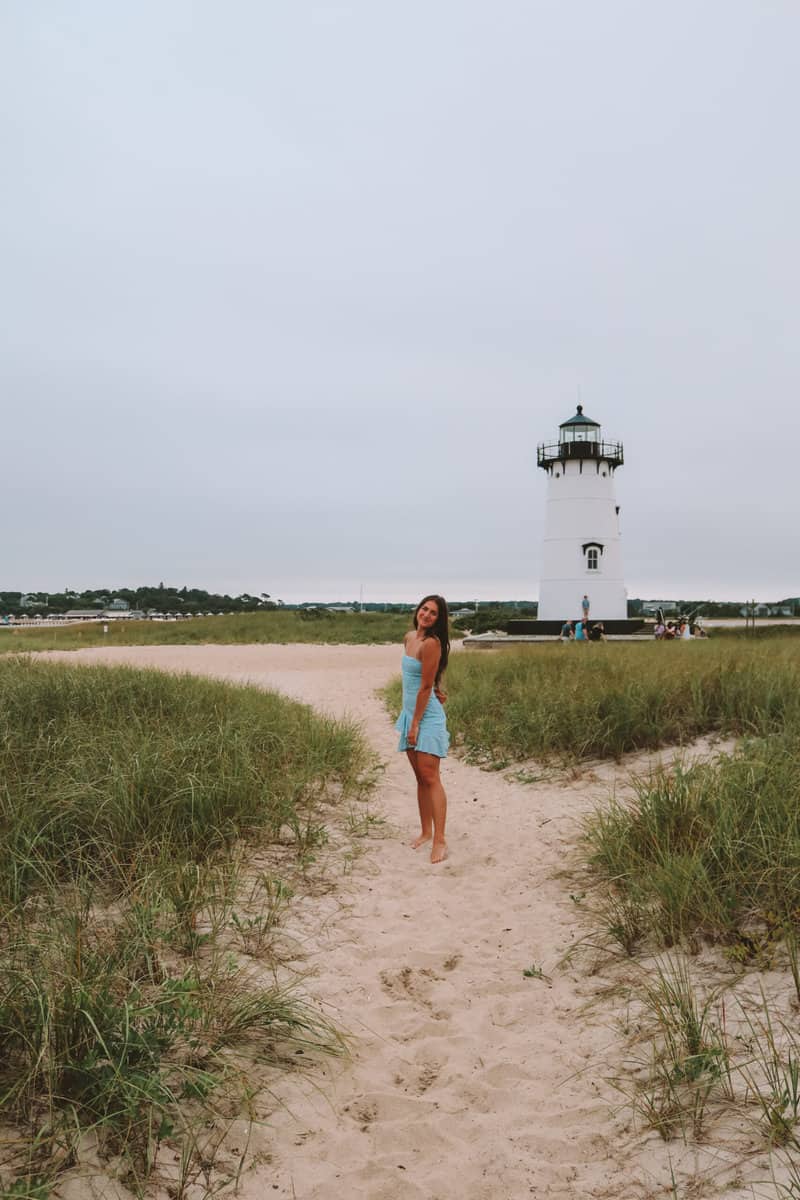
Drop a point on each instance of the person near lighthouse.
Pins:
(585, 605)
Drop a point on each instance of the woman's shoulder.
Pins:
(431, 646)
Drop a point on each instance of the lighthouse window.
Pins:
(592, 558)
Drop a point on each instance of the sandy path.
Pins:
(467, 1080)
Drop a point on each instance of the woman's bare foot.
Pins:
(421, 840)
(439, 852)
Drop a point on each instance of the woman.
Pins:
(422, 726)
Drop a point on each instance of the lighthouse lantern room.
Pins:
(582, 552)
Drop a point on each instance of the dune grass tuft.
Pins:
(713, 849)
(104, 773)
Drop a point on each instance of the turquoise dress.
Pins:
(433, 737)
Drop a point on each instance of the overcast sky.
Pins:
(291, 291)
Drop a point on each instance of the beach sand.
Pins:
(466, 1080)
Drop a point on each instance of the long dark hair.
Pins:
(440, 630)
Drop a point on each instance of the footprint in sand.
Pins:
(428, 1074)
(403, 982)
(363, 1112)
(410, 983)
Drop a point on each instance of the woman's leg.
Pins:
(432, 804)
(425, 815)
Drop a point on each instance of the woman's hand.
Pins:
(440, 694)
(413, 733)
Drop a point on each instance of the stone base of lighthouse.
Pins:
(553, 628)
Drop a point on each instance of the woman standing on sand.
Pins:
(422, 725)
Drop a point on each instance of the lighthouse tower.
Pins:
(582, 552)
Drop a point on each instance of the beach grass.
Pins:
(712, 850)
(106, 772)
(130, 802)
(696, 870)
(574, 703)
(281, 627)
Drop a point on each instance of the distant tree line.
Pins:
(713, 608)
(494, 614)
(147, 599)
(488, 614)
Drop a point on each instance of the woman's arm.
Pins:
(429, 657)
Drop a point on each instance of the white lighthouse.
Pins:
(582, 552)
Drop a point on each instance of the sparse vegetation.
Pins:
(701, 1055)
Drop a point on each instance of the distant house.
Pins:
(118, 605)
(767, 610)
(82, 614)
(345, 608)
(463, 612)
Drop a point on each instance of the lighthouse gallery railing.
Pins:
(551, 452)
